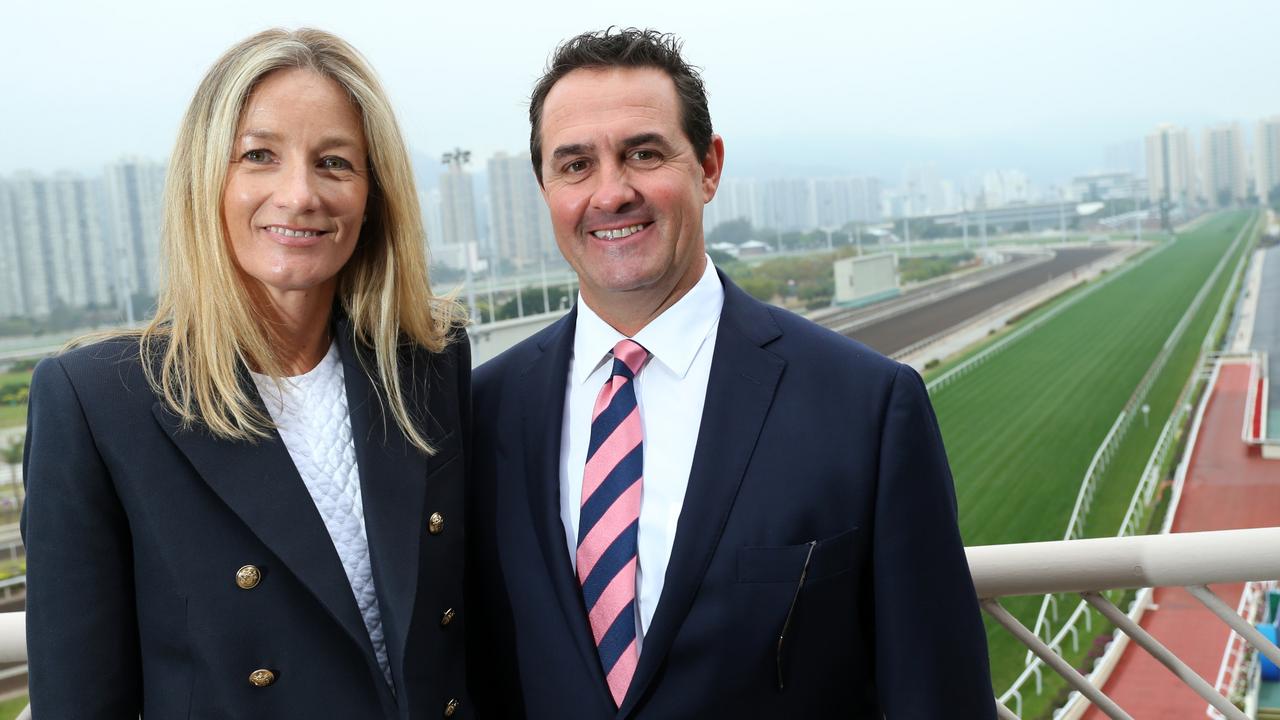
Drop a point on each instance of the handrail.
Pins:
(1095, 564)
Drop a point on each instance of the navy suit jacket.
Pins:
(135, 528)
(813, 450)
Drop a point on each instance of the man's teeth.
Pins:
(293, 233)
(619, 233)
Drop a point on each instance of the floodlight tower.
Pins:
(456, 160)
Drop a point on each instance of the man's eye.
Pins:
(257, 156)
(333, 162)
(644, 155)
(576, 166)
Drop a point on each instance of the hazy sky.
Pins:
(846, 87)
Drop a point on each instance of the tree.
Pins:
(12, 454)
(733, 231)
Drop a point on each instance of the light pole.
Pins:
(1062, 214)
(455, 160)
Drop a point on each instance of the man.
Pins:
(690, 504)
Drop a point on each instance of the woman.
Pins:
(252, 507)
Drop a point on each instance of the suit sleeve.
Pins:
(82, 632)
(931, 649)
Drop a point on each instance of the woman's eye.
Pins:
(335, 163)
(256, 156)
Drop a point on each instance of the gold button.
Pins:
(435, 524)
(261, 678)
(450, 708)
(447, 617)
(248, 577)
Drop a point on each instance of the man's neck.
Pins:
(629, 312)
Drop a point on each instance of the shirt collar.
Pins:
(673, 338)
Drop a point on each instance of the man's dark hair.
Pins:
(625, 48)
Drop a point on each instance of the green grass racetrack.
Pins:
(1022, 427)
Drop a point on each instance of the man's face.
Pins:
(624, 185)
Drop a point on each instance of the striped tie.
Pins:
(610, 516)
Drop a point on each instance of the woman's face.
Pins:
(297, 185)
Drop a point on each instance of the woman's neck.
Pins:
(298, 325)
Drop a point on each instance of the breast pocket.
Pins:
(831, 556)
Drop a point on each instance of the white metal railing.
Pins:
(1231, 672)
(1256, 400)
(1092, 566)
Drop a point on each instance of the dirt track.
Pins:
(891, 335)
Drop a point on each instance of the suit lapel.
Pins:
(542, 420)
(393, 489)
(261, 485)
(740, 391)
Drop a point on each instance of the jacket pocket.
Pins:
(831, 556)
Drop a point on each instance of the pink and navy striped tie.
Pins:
(610, 516)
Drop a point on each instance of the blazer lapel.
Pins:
(260, 484)
(740, 391)
(393, 489)
(542, 419)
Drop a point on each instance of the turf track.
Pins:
(1021, 428)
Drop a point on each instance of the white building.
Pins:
(135, 196)
(1005, 187)
(1170, 174)
(1223, 174)
(520, 224)
(12, 300)
(736, 199)
(1102, 186)
(1266, 160)
(458, 238)
(53, 247)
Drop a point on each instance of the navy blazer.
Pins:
(814, 452)
(135, 529)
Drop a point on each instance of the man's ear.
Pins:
(712, 166)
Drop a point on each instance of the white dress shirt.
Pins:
(670, 391)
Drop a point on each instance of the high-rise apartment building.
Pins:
(736, 199)
(1223, 175)
(458, 246)
(1004, 187)
(520, 224)
(135, 197)
(11, 297)
(1170, 175)
(51, 237)
(1266, 160)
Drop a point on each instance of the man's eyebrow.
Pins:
(573, 149)
(648, 138)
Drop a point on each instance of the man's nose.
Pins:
(615, 193)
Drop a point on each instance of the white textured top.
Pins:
(310, 412)
(670, 392)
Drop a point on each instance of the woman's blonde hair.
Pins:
(207, 325)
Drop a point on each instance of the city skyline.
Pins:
(822, 90)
